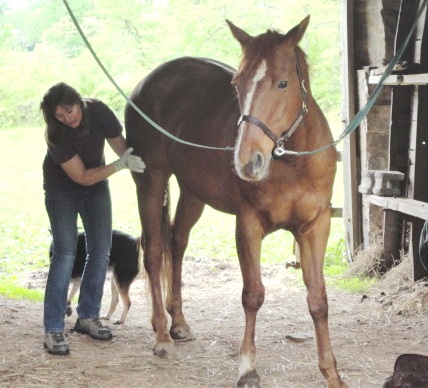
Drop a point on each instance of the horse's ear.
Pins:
(297, 32)
(240, 35)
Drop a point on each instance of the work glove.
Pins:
(133, 162)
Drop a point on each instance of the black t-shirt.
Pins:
(87, 141)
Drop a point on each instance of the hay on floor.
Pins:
(395, 290)
(368, 261)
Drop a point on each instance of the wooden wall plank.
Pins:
(406, 206)
(352, 204)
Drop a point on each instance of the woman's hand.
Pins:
(133, 162)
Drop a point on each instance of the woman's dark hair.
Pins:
(59, 94)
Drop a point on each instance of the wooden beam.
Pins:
(401, 79)
(392, 230)
(410, 207)
(352, 199)
(418, 157)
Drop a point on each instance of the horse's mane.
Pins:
(304, 67)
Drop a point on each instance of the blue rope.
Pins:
(375, 94)
(349, 129)
(360, 115)
(148, 119)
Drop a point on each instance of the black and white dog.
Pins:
(124, 265)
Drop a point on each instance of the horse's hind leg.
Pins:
(188, 212)
(150, 194)
(312, 249)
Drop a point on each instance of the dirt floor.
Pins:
(368, 333)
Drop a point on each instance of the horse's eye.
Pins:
(282, 85)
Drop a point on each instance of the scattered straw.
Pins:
(400, 275)
(368, 261)
(396, 290)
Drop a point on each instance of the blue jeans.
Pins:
(63, 206)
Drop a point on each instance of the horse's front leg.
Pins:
(312, 250)
(248, 242)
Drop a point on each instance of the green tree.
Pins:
(42, 45)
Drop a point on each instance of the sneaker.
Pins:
(94, 328)
(56, 343)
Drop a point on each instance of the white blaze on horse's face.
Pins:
(250, 165)
(260, 74)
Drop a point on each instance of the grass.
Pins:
(24, 226)
(10, 289)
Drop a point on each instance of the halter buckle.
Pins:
(279, 151)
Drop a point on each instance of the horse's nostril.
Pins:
(258, 162)
(254, 169)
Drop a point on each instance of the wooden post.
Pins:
(418, 176)
(352, 203)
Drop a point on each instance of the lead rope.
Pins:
(142, 114)
(349, 129)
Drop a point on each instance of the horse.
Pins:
(246, 128)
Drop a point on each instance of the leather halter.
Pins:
(280, 140)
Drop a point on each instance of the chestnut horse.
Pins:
(200, 101)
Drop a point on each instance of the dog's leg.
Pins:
(75, 287)
(114, 299)
(124, 294)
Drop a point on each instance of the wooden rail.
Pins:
(401, 79)
(407, 206)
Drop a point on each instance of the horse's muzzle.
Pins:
(253, 170)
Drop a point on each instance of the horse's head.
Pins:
(271, 82)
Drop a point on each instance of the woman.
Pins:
(75, 183)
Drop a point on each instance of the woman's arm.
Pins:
(133, 162)
(77, 171)
(118, 144)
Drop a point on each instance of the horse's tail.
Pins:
(166, 266)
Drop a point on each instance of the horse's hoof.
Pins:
(340, 384)
(165, 350)
(119, 322)
(182, 334)
(249, 380)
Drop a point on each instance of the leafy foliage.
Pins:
(42, 45)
